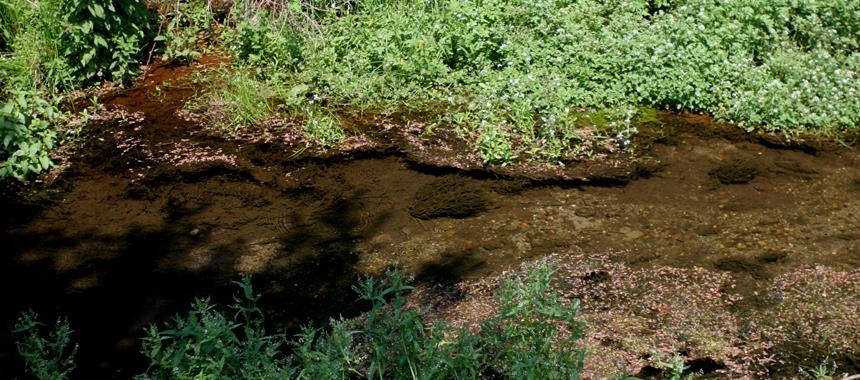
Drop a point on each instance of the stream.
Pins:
(154, 214)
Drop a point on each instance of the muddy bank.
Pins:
(150, 209)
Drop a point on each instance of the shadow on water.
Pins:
(314, 282)
(113, 294)
(452, 268)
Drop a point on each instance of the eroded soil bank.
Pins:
(154, 210)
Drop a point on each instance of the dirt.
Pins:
(152, 210)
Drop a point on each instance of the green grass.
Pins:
(245, 101)
(518, 77)
(322, 127)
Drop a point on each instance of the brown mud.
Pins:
(152, 210)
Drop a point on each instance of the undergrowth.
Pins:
(48, 352)
(546, 80)
(47, 49)
(523, 79)
(533, 336)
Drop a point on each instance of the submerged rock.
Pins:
(450, 196)
(736, 171)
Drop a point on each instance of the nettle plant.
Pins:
(103, 38)
(25, 127)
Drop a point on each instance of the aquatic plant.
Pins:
(811, 315)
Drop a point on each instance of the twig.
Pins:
(152, 49)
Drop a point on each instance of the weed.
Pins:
(398, 343)
(322, 127)
(391, 340)
(824, 371)
(36, 59)
(534, 334)
(46, 357)
(52, 46)
(675, 366)
(246, 100)
(207, 344)
(495, 145)
(25, 121)
(188, 31)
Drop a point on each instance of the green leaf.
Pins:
(45, 161)
(87, 27)
(96, 10)
(298, 90)
(87, 57)
(99, 40)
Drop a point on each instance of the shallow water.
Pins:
(156, 215)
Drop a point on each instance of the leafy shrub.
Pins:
(25, 127)
(206, 344)
(46, 357)
(534, 334)
(390, 340)
(103, 38)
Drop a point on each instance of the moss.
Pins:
(736, 171)
(771, 257)
(741, 264)
(450, 196)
